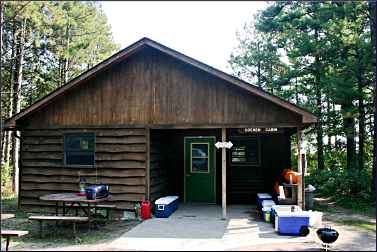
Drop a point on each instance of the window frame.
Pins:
(66, 135)
(245, 139)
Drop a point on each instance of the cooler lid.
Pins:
(165, 200)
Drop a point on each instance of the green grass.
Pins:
(61, 235)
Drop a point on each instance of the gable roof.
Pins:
(307, 117)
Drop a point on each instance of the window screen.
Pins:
(79, 148)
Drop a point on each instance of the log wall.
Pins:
(120, 161)
(158, 168)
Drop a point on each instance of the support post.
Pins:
(300, 191)
(223, 174)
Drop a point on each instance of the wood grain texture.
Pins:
(105, 172)
(158, 167)
(146, 44)
(35, 205)
(89, 180)
(74, 187)
(154, 89)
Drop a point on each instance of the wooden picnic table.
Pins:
(11, 233)
(73, 200)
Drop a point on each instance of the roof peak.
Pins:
(308, 117)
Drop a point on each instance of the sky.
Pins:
(205, 31)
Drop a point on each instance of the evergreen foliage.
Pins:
(44, 45)
(320, 57)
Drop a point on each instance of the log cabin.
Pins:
(145, 121)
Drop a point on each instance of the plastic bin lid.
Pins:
(264, 196)
(267, 203)
(286, 207)
(165, 200)
(310, 188)
(314, 213)
(266, 209)
(293, 214)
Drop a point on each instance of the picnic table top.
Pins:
(17, 233)
(6, 216)
(70, 197)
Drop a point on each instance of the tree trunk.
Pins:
(329, 128)
(296, 93)
(17, 104)
(259, 66)
(319, 128)
(66, 58)
(2, 132)
(318, 97)
(8, 140)
(361, 109)
(349, 127)
(373, 23)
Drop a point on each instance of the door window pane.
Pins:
(199, 165)
(199, 150)
(199, 157)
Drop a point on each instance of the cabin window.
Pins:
(199, 158)
(79, 149)
(245, 151)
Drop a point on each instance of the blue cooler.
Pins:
(290, 223)
(261, 197)
(165, 206)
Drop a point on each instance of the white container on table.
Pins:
(268, 203)
(315, 218)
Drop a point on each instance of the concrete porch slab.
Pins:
(199, 227)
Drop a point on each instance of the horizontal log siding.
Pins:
(158, 169)
(120, 155)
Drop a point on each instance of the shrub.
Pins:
(349, 187)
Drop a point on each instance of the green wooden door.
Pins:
(200, 169)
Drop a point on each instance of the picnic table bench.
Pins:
(73, 219)
(12, 233)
